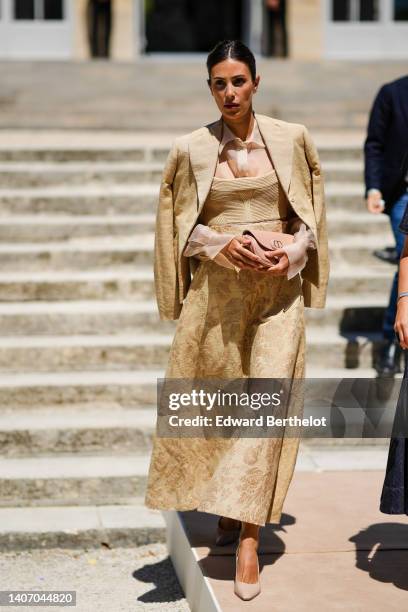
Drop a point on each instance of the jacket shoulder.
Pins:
(182, 142)
(397, 82)
(294, 129)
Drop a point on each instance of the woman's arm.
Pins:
(297, 251)
(401, 320)
(225, 249)
(165, 265)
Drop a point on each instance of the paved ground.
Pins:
(334, 550)
(334, 498)
(118, 580)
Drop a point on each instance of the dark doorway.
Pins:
(99, 27)
(274, 35)
(191, 25)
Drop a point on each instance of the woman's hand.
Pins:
(279, 268)
(241, 257)
(401, 322)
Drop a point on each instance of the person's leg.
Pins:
(107, 25)
(93, 27)
(247, 566)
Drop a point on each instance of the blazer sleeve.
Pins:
(165, 246)
(316, 273)
(376, 136)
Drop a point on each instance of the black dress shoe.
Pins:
(389, 254)
(388, 363)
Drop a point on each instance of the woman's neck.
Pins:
(243, 128)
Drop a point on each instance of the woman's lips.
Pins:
(231, 105)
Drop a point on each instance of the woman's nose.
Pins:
(229, 92)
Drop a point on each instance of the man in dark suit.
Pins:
(386, 180)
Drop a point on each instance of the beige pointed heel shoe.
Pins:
(226, 536)
(246, 590)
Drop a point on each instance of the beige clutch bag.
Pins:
(263, 240)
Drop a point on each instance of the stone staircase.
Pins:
(82, 345)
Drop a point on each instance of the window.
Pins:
(355, 10)
(401, 10)
(38, 10)
(24, 9)
(53, 9)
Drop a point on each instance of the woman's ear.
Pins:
(209, 85)
(256, 83)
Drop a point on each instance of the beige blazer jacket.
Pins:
(186, 182)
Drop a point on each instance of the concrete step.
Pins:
(338, 150)
(344, 196)
(40, 174)
(130, 388)
(54, 228)
(346, 312)
(137, 284)
(72, 480)
(58, 285)
(46, 228)
(78, 254)
(355, 280)
(45, 174)
(97, 352)
(341, 223)
(86, 199)
(358, 249)
(98, 153)
(80, 317)
(129, 252)
(354, 313)
(95, 199)
(148, 351)
(97, 429)
(80, 527)
(351, 350)
(337, 170)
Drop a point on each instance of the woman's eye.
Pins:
(219, 84)
(239, 82)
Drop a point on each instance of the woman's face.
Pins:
(232, 86)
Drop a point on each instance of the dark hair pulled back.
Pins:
(234, 49)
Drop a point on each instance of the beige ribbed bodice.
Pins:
(248, 199)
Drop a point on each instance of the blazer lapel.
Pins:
(204, 146)
(280, 147)
(203, 151)
(403, 92)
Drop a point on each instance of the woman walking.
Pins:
(239, 317)
(394, 495)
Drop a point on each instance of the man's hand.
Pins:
(401, 322)
(375, 204)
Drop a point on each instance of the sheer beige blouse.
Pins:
(238, 158)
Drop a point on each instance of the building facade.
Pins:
(125, 30)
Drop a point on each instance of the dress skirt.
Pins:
(233, 325)
(394, 495)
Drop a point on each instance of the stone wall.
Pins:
(124, 36)
(305, 29)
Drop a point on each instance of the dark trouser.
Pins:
(394, 495)
(276, 39)
(100, 25)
